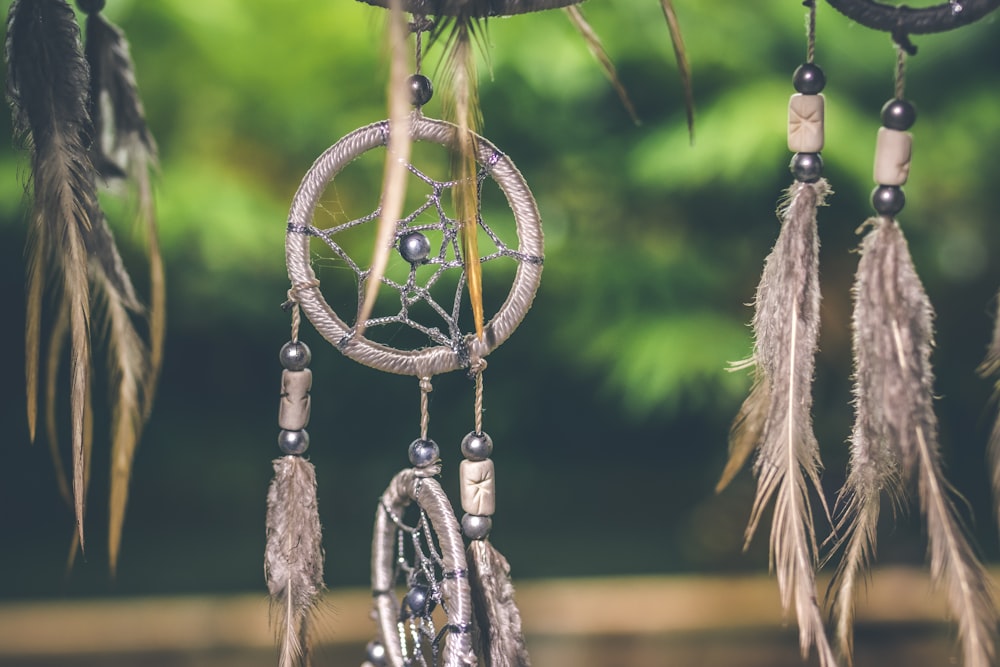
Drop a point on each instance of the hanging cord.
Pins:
(293, 304)
(418, 27)
(476, 368)
(425, 414)
(900, 71)
(811, 31)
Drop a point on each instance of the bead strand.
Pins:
(293, 409)
(805, 123)
(893, 151)
(478, 486)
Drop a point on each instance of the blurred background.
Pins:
(610, 406)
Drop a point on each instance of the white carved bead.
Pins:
(893, 150)
(478, 487)
(293, 411)
(805, 123)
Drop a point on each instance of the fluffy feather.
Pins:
(990, 368)
(47, 89)
(895, 439)
(498, 621)
(776, 415)
(294, 557)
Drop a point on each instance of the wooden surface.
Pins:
(634, 621)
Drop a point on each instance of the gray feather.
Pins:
(497, 618)
(895, 440)
(293, 561)
(777, 413)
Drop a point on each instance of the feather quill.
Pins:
(601, 54)
(47, 89)
(497, 618)
(990, 368)
(775, 418)
(396, 160)
(895, 439)
(294, 556)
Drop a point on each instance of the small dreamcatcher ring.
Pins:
(436, 359)
(410, 486)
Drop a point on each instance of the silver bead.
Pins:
(295, 355)
(294, 443)
(419, 601)
(376, 653)
(415, 248)
(476, 527)
(424, 453)
(477, 446)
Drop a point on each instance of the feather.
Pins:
(990, 368)
(396, 160)
(683, 66)
(47, 89)
(294, 557)
(497, 619)
(597, 49)
(461, 105)
(57, 343)
(126, 149)
(127, 356)
(777, 415)
(895, 439)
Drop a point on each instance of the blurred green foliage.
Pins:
(610, 407)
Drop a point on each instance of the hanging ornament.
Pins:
(775, 419)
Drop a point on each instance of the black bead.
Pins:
(293, 443)
(888, 199)
(809, 79)
(415, 248)
(419, 600)
(424, 453)
(898, 114)
(421, 90)
(91, 6)
(295, 355)
(806, 167)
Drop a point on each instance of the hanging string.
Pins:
(293, 304)
(811, 31)
(477, 368)
(425, 414)
(900, 71)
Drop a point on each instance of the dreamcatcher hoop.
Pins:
(432, 360)
(417, 486)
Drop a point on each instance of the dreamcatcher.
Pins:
(436, 601)
(894, 438)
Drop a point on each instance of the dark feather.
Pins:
(47, 87)
(497, 618)
(597, 48)
(990, 368)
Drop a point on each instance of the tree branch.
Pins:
(903, 21)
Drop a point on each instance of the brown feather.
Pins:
(990, 368)
(683, 66)
(601, 54)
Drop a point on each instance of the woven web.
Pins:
(426, 301)
(419, 564)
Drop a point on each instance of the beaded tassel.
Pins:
(895, 430)
(294, 557)
(775, 419)
(497, 618)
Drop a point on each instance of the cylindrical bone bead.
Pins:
(805, 123)
(293, 411)
(893, 150)
(478, 487)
